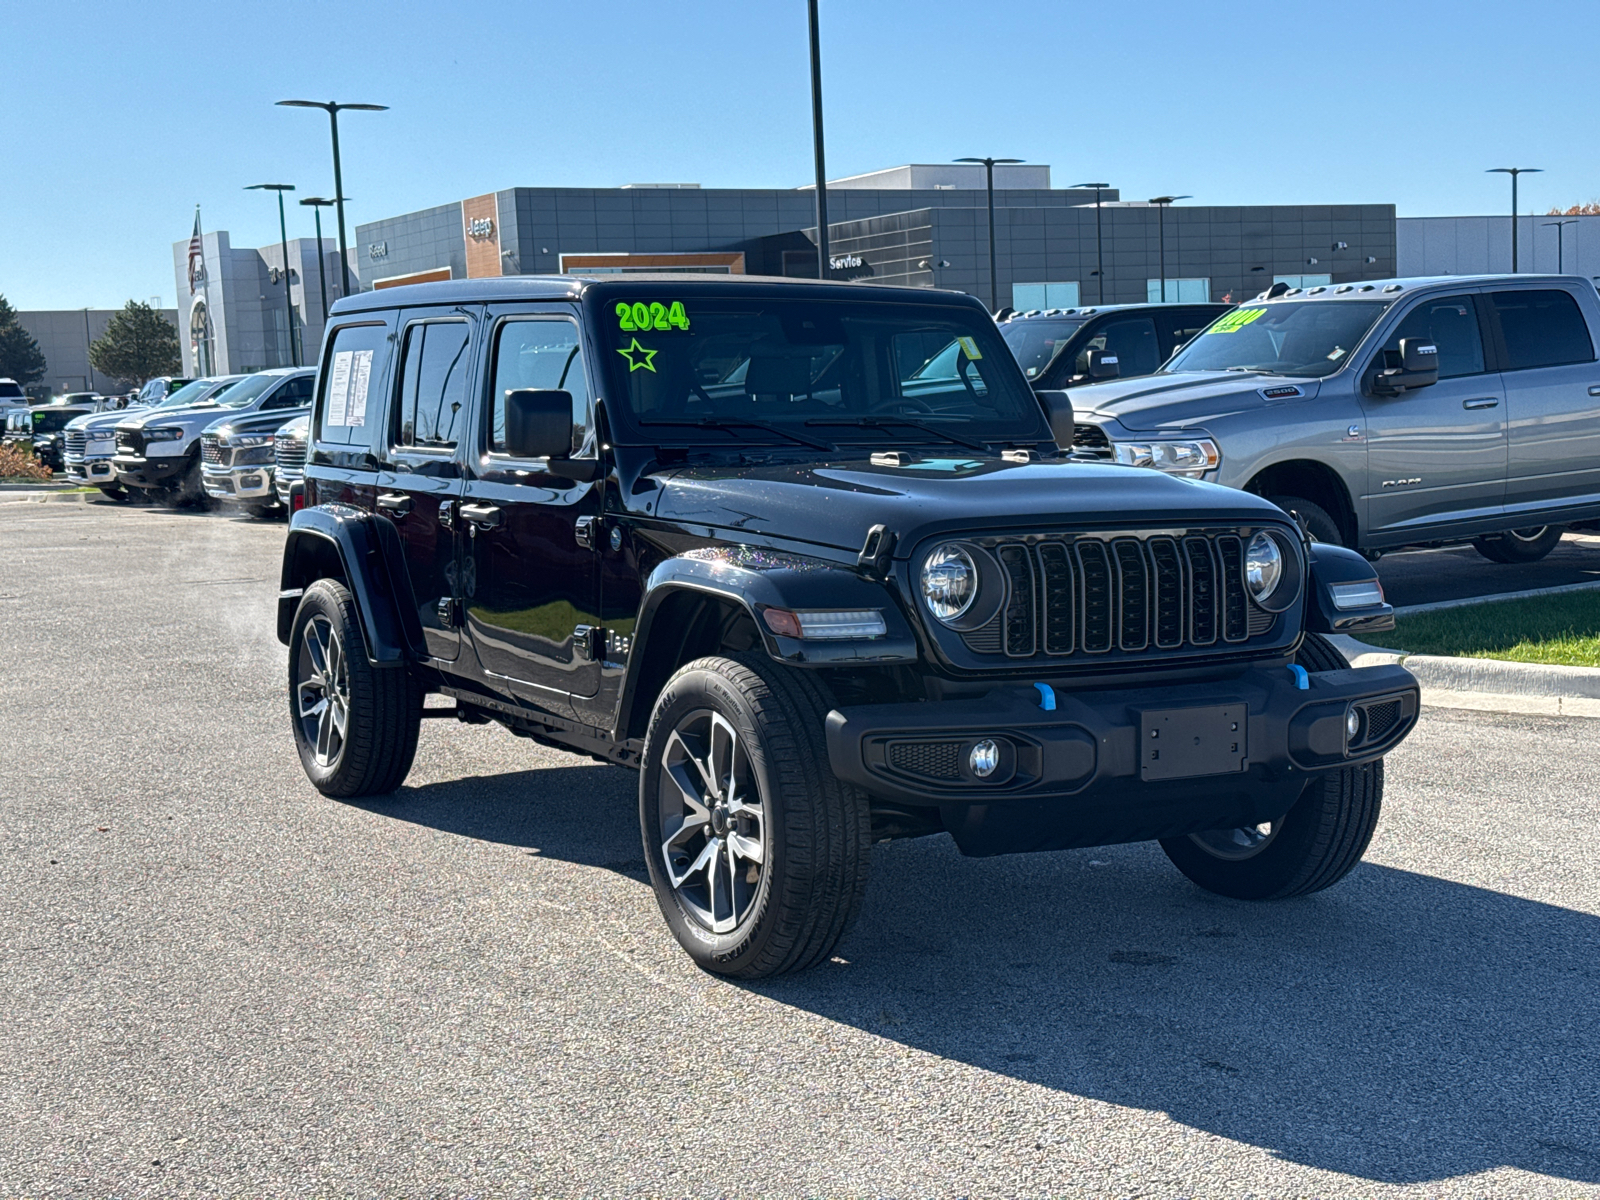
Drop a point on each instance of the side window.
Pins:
(1133, 341)
(294, 394)
(352, 373)
(1451, 323)
(1541, 329)
(543, 354)
(433, 384)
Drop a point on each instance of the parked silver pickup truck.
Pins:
(1387, 414)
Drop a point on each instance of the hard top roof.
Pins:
(563, 287)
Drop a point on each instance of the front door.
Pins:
(420, 481)
(1437, 453)
(533, 538)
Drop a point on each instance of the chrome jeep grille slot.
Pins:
(1133, 592)
(1167, 586)
(1124, 595)
(1018, 616)
(1055, 569)
(1235, 617)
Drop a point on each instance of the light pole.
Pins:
(283, 230)
(87, 347)
(1099, 246)
(1161, 203)
(316, 204)
(1514, 172)
(333, 110)
(816, 141)
(988, 174)
(1561, 261)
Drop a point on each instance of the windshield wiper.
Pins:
(885, 422)
(736, 422)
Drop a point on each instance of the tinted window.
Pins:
(1132, 340)
(350, 384)
(1542, 329)
(433, 384)
(1037, 340)
(543, 355)
(294, 394)
(1451, 323)
(11, 391)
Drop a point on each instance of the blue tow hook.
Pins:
(1047, 696)
(1301, 679)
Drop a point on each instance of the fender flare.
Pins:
(364, 552)
(755, 579)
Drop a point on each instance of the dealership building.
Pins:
(64, 337)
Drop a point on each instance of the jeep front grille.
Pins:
(211, 452)
(1134, 594)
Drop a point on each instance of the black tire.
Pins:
(189, 489)
(1316, 844)
(1317, 520)
(815, 833)
(264, 512)
(1520, 545)
(382, 707)
(115, 493)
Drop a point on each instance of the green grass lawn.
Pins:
(1559, 630)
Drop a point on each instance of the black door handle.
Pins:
(396, 502)
(486, 516)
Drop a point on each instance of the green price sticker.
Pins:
(1236, 320)
(639, 316)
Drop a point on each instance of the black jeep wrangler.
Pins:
(822, 582)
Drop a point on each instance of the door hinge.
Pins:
(583, 532)
(588, 642)
(449, 610)
(447, 513)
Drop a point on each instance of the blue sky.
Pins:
(122, 117)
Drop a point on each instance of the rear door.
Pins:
(533, 539)
(1437, 454)
(420, 476)
(1552, 399)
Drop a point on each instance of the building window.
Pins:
(1179, 291)
(1025, 297)
(1304, 281)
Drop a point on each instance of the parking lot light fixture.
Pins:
(1514, 172)
(1161, 203)
(316, 204)
(1561, 258)
(1099, 245)
(333, 109)
(283, 231)
(988, 167)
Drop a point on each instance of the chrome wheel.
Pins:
(1235, 845)
(712, 821)
(322, 690)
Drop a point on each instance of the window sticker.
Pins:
(639, 316)
(969, 347)
(360, 376)
(1236, 320)
(638, 357)
(339, 389)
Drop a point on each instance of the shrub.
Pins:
(19, 464)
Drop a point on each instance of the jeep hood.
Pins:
(1179, 401)
(835, 503)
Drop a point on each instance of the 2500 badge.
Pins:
(639, 316)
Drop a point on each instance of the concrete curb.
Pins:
(1488, 684)
(48, 497)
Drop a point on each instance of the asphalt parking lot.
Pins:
(218, 982)
(1457, 572)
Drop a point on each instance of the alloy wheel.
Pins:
(712, 821)
(322, 693)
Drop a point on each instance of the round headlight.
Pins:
(1263, 565)
(949, 582)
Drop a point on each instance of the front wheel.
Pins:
(116, 493)
(757, 854)
(1520, 545)
(1312, 846)
(1318, 522)
(355, 725)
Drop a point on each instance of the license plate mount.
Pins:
(1183, 743)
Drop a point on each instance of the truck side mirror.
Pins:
(1098, 364)
(538, 423)
(1419, 367)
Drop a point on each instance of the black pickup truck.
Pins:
(735, 534)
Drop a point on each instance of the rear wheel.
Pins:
(1317, 520)
(758, 855)
(1520, 545)
(355, 725)
(1313, 846)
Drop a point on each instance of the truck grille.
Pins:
(210, 451)
(1091, 439)
(1137, 594)
(76, 443)
(291, 455)
(130, 441)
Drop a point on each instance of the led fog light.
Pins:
(1352, 724)
(984, 758)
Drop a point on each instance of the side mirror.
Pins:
(1098, 364)
(539, 425)
(1419, 367)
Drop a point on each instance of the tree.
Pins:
(138, 344)
(20, 356)
(1577, 210)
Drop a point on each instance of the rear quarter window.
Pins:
(350, 385)
(1543, 328)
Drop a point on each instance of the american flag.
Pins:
(196, 253)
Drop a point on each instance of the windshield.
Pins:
(251, 387)
(1035, 342)
(1312, 337)
(52, 421)
(189, 393)
(747, 369)
(11, 391)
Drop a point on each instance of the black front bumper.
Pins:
(1096, 770)
(137, 471)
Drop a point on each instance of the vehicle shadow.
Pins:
(1398, 1028)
